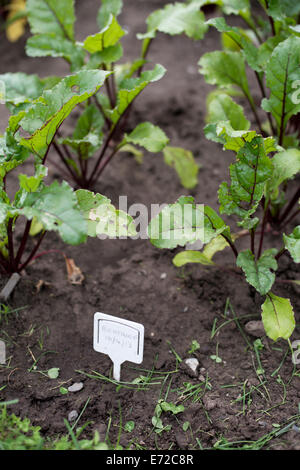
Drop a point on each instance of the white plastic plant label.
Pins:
(2, 352)
(122, 340)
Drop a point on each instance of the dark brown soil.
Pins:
(123, 278)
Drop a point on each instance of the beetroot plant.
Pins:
(254, 176)
(100, 130)
(35, 207)
(259, 194)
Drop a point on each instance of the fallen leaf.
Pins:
(17, 28)
(75, 275)
(41, 284)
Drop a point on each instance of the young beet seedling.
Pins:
(75, 215)
(99, 132)
(254, 176)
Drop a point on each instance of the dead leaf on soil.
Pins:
(40, 284)
(75, 275)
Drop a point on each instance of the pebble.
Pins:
(202, 370)
(255, 328)
(191, 70)
(72, 415)
(76, 387)
(201, 378)
(262, 423)
(192, 363)
(163, 275)
(209, 403)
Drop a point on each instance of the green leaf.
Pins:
(31, 183)
(184, 222)
(47, 113)
(286, 165)
(51, 45)
(184, 163)
(248, 174)
(281, 72)
(259, 273)
(215, 245)
(107, 37)
(51, 16)
(12, 154)
(266, 49)
(240, 39)
(278, 317)
(292, 243)
(138, 155)
(56, 208)
(108, 7)
(235, 7)
(151, 137)
(190, 256)
(279, 9)
(129, 426)
(87, 136)
(53, 373)
(102, 218)
(171, 407)
(175, 19)
(221, 107)
(21, 88)
(225, 68)
(130, 88)
(107, 56)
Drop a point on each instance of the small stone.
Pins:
(76, 387)
(255, 328)
(185, 309)
(163, 275)
(263, 424)
(201, 378)
(209, 403)
(72, 416)
(191, 70)
(202, 370)
(192, 363)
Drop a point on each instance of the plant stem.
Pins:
(256, 116)
(252, 233)
(280, 253)
(289, 207)
(23, 242)
(63, 159)
(11, 244)
(29, 259)
(4, 263)
(102, 153)
(99, 106)
(103, 164)
(290, 218)
(266, 214)
(231, 244)
(263, 92)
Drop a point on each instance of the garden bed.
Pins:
(134, 280)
